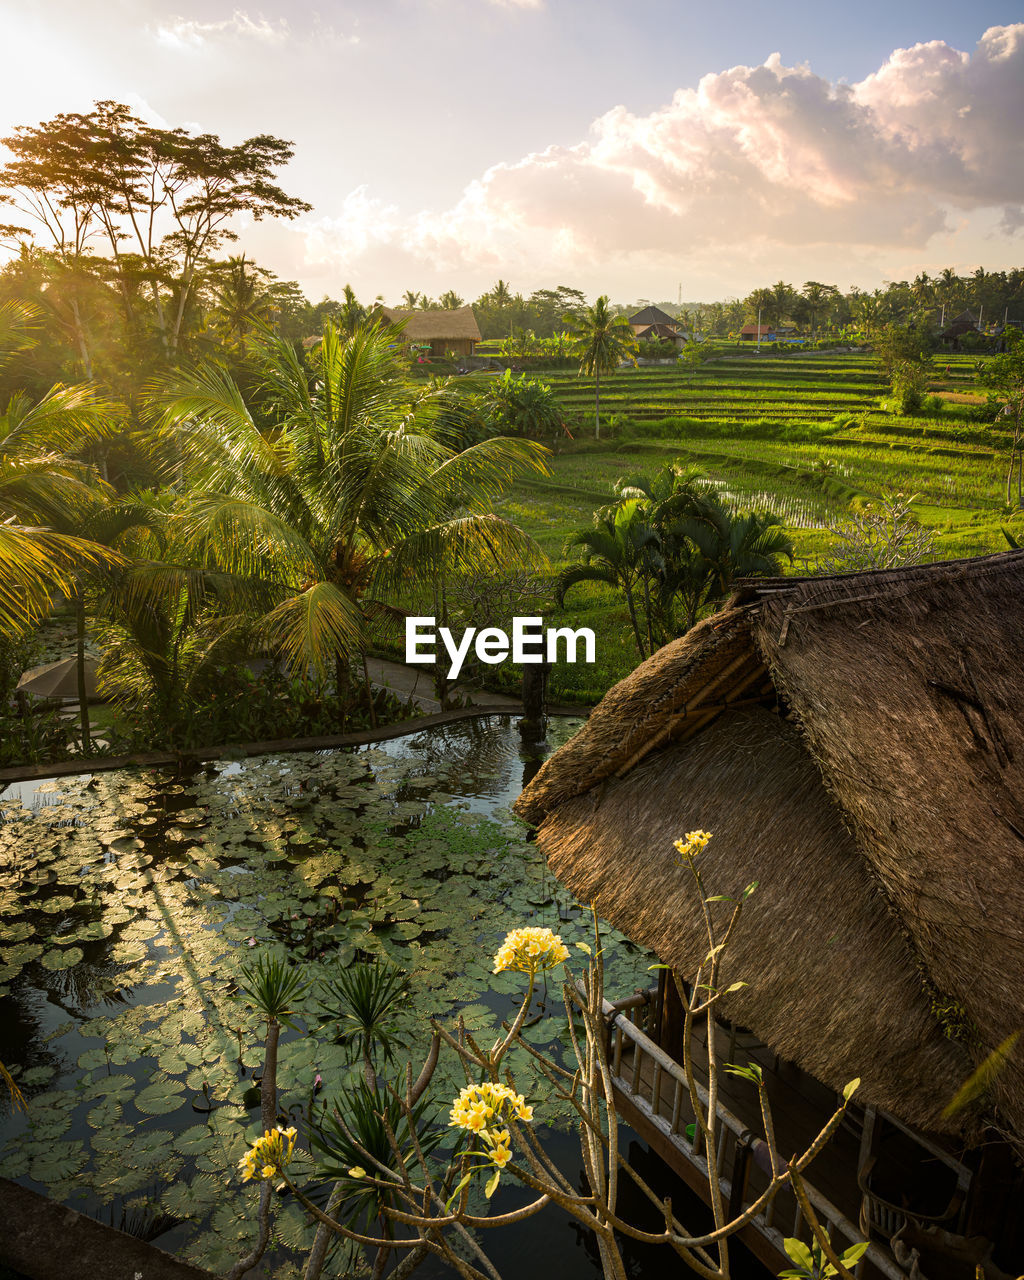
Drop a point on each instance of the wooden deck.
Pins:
(652, 1096)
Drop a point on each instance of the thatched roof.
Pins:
(904, 691)
(437, 326)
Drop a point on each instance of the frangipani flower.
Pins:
(695, 843)
(530, 950)
(268, 1156)
(481, 1108)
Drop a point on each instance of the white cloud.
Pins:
(762, 160)
(182, 33)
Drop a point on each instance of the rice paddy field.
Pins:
(803, 435)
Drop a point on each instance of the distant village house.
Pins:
(654, 325)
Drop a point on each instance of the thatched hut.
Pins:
(856, 745)
(453, 331)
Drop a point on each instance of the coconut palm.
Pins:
(353, 493)
(603, 341)
(816, 295)
(44, 486)
(241, 300)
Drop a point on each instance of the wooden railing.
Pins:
(656, 1085)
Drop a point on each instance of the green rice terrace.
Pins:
(802, 436)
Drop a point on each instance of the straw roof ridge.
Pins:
(635, 711)
(437, 324)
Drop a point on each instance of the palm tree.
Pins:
(352, 313)
(240, 301)
(721, 546)
(671, 541)
(603, 341)
(501, 295)
(353, 494)
(44, 488)
(761, 305)
(816, 295)
(783, 300)
(623, 550)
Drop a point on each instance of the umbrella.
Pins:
(59, 679)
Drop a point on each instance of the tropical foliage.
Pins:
(673, 548)
(343, 491)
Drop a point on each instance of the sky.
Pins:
(664, 149)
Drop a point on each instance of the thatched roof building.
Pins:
(856, 746)
(452, 330)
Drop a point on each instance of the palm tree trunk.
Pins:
(369, 693)
(627, 587)
(597, 403)
(83, 350)
(83, 700)
(341, 686)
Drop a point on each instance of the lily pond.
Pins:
(129, 900)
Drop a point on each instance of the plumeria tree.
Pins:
(422, 1199)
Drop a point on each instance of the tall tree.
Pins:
(241, 298)
(44, 485)
(603, 341)
(816, 294)
(1004, 376)
(162, 199)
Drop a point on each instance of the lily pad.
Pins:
(161, 1098)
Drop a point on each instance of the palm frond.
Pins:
(314, 627)
(37, 564)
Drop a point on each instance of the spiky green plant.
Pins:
(364, 999)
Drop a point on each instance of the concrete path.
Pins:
(416, 685)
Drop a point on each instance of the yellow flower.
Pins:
(530, 950)
(268, 1156)
(695, 843)
(501, 1155)
(479, 1103)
